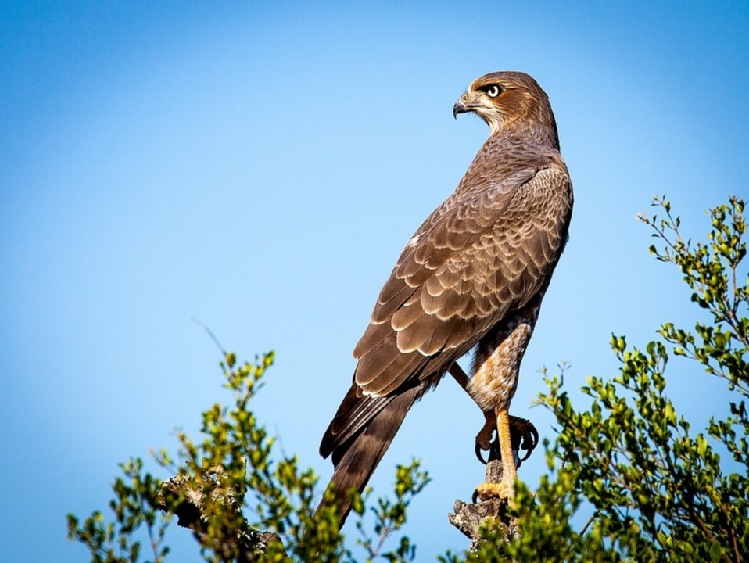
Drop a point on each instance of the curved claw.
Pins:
(523, 434)
(485, 436)
(493, 450)
(477, 450)
(524, 437)
(475, 497)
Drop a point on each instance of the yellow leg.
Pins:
(506, 488)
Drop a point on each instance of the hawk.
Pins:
(471, 277)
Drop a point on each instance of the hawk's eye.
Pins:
(493, 91)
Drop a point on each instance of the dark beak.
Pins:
(459, 107)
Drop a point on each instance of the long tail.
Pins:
(359, 436)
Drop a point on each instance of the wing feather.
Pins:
(477, 256)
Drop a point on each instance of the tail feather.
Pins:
(356, 459)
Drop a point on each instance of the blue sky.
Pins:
(259, 169)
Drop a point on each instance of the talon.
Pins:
(477, 450)
(524, 437)
(485, 436)
(475, 496)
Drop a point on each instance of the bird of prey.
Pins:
(471, 277)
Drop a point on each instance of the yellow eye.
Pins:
(493, 91)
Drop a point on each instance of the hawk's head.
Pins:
(503, 98)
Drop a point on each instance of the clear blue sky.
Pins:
(260, 168)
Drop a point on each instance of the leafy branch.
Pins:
(242, 500)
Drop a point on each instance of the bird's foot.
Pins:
(524, 436)
(485, 435)
(487, 491)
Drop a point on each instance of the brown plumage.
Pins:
(473, 274)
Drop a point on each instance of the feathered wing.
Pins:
(483, 253)
(356, 458)
(486, 251)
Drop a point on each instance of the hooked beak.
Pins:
(460, 107)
